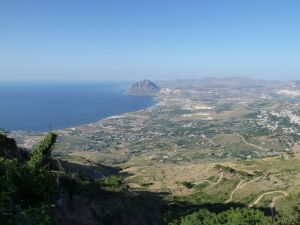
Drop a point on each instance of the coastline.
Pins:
(122, 115)
(28, 139)
(39, 107)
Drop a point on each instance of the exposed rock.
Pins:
(145, 87)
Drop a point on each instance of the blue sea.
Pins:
(40, 106)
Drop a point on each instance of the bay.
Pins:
(40, 106)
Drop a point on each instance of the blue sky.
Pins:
(126, 39)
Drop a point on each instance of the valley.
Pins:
(224, 143)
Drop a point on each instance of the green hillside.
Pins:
(46, 190)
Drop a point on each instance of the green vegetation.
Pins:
(289, 212)
(111, 183)
(224, 107)
(201, 186)
(201, 149)
(214, 194)
(231, 170)
(41, 154)
(27, 188)
(236, 216)
(187, 184)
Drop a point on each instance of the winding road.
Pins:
(271, 206)
(212, 183)
(239, 186)
(236, 188)
(199, 182)
(267, 193)
(253, 145)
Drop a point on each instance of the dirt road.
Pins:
(267, 193)
(240, 185)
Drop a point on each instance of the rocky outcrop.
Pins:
(145, 87)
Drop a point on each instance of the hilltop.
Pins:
(144, 87)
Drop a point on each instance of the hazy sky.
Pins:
(156, 39)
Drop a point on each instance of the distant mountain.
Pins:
(144, 87)
(213, 82)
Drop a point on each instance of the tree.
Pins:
(27, 188)
(41, 154)
(239, 216)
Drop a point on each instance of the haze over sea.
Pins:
(39, 106)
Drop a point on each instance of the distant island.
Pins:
(144, 87)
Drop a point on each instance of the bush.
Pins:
(230, 217)
(27, 189)
(41, 154)
(113, 183)
(187, 184)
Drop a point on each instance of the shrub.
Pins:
(27, 188)
(41, 154)
(113, 183)
(187, 184)
(239, 216)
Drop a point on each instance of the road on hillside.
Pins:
(240, 185)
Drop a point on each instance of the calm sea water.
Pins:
(37, 106)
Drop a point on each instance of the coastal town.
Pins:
(201, 123)
(217, 141)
